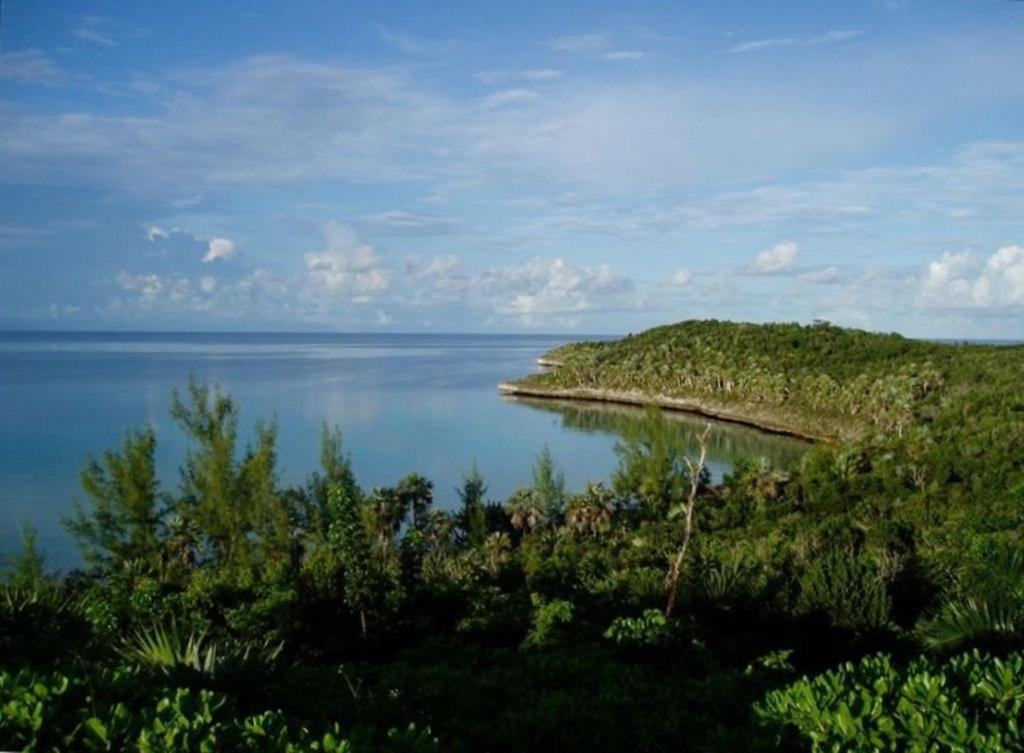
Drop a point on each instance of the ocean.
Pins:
(425, 403)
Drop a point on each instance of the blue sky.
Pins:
(591, 167)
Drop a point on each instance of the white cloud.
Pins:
(207, 284)
(542, 288)
(30, 66)
(154, 232)
(347, 266)
(414, 45)
(829, 37)
(581, 44)
(779, 257)
(148, 286)
(624, 55)
(399, 222)
(104, 31)
(682, 277)
(956, 281)
(219, 248)
(492, 78)
(508, 97)
(826, 276)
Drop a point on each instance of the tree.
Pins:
(417, 494)
(235, 506)
(473, 515)
(549, 484)
(651, 468)
(124, 520)
(349, 537)
(27, 569)
(686, 509)
(591, 510)
(525, 509)
(385, 510)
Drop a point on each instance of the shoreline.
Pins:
(662, 401)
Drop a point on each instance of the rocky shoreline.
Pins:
(762, 423)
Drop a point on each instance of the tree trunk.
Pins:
(676, 568)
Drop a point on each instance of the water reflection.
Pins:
(728, 444)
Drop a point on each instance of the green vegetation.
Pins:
(867, 598)
(820, 381)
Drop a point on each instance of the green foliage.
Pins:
(848, 589)
(164, 648)
(986, 608)
(651, 467)
(348, 537)
(124, 520)
(970, 703)
(234, 503)
(549, 617)
(549, 484)
(27, 569)
(473, 515)
(652, 628)
(233, 613)
(40, 624)
(55, 712)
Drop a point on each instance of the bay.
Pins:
(419, 402)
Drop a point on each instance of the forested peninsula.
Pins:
(870, 597)
(819, 381)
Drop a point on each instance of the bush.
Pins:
(970, 703)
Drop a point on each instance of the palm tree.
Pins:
(417, 493)
(525, 509)
(591, 510)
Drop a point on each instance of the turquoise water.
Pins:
(405, 402)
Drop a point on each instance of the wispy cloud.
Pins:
(829, 37)
(491, 78)
(397, 222)
(625, 55)
(30, 66)
(104, 31)
(599, 46)
(581, 44)
(411, 44)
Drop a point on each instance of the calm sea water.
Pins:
(405, 402)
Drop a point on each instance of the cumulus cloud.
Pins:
(778, 258)
(154, 232)
(347, 266)
(168, 289)
(219, 248)
(682, 277)
(955, 280)
(148, 286)
(542, 288)
(533, 293)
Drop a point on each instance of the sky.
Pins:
(590, 167)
